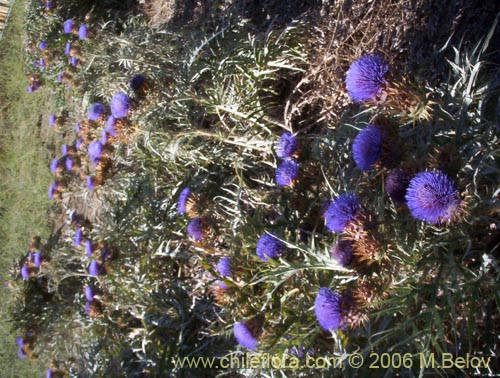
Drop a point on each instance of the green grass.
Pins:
(24, 157)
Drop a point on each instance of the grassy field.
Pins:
(24, 157)
(223, 81)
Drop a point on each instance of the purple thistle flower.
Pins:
(42, 45)
(68, 26)
(19, 341)
(37, 259)
(96, 111)
(78, 143)
(53, 165)
(341, 212)
(90, 183)
(396, 184)
(120, 105)
(94, 268)
(25, 274)
(367, 147)
(67, 48)
(64, 149)
(20, 353)
(60, 78)
(88, 307)
(30, 89)
(52, 120)
(365, 78)
(88, 248)
(244, 336)
(110, 126)
(78, 237)
(432, 197)
(269, 246)
(224, 269)
(52, 189)
(137, 81)
(42, 63)
(342, 252)
(82, 32)
(287, 172)
(287, 145)
(69, 164)
(36, 64)
(49, 5)
(195, 229)
(73, 61)
(89, 293)
(327, 307)
(49, 373)
(95, 150)
(183, 199)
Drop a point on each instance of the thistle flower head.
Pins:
(68, 26)
(69, 164)
(432, 197)
(287, 172)
(37, 259)
(137, 81)
(342, 252)
(224, 267)
(54, 164)
(367, 147)
(78, 237)
(42, 45)
(82, 32)
(94, 268)
(90, 183)
(89, 293)
(53, 188)
(42, 63)
(88, 248)
(73, 61)
(396, 183)
(328, 309)
(52, 119)
(244, 336)
(96, 111)
(184, 198)
(95, 151)
(49, 5)
(365, 78)
(195, 229)
(341, 212)
(67, 48)
(287, 145)
(111, 126)
(120, 105)
(104, 137)
(79, 143)
(269, 246)
(25, 274)
(49, 373)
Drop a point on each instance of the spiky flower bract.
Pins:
(120, 105)
(68, 26)
(287, 172)
(432, 197)
(96, 110)
(183, 199)
(195, 229)
(396, 184)
(327, 307)
(269, 246)
(82, 32)
(342, 252)
(287, 145)
(244, 336)
(341, 212)
(365, 78)
(367, 147)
